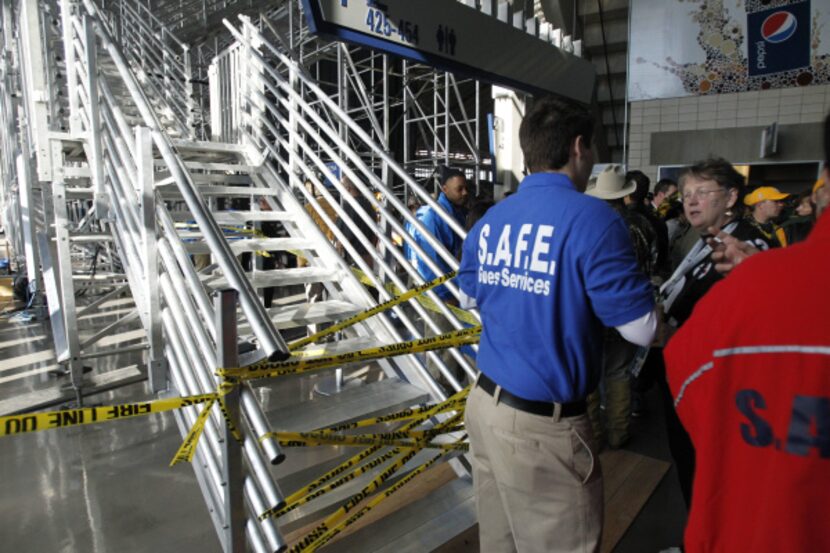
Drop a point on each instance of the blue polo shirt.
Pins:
(442, 231)
(548, 268)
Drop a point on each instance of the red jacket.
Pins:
(750, 373)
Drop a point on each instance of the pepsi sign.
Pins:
(778, 39)
(779, 27)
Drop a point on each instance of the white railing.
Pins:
(279, 109)
(162, 62)
(173, 305)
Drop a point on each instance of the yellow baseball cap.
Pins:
(819, 183)
(764, 193)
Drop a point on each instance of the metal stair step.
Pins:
(208, 147)
(352, 403)
(90, 238)
(332, 500)
(233, 191)
(213, 166)
(343, 346)
(423, 525)
(306, 314)
(239, 246)
(205, 178)
(280, 277)
(302, 465)
(237, 217)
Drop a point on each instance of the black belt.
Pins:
(542, 408)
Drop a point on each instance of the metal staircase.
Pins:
(110, 163)
(112, 151)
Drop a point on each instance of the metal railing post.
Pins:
(157, 365)
(94, 137)
(233, 540)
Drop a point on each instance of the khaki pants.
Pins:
(538, 481)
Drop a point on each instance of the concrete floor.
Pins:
(108, 487)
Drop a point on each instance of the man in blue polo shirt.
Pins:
(453, 200)
(548, 267)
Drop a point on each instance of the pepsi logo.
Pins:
(778, 27)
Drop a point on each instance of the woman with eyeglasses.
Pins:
(711, 192)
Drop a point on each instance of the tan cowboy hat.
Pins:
(610, 184)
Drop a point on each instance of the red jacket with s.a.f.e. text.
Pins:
(750, 374)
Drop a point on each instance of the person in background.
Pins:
(315, 291)
(663, 192)
(636, 201)
(755, 399)
(729, 253)
(766, 204)
(477, 211)
(364, 246)
(548, 267)
(617, 352)
(452, 202)
(821, 195)
(797, 228)
(710, 190)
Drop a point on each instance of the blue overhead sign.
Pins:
(452, 36)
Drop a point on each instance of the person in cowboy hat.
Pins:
(610, 185)
(766, 205)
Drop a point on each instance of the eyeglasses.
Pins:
(700, 193)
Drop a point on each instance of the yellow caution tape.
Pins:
(35, 422)
(346, 478)
(325, 537)
(324, 483)
(326, 531)
(462, 315)
(372, 311)
(302, 439)
(330, 523)
(406, 414)
(302, 365)
(188, 448)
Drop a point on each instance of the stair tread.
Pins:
(302, 315)
(214, 166)
(423, 525)
(249, 244)
(324, 505)
(280, 277)
(207, 190)
(314, 313)
(236, 217)
(342, 346)
(351, 404)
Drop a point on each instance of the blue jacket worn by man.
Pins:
(549, 267)
(442, 232)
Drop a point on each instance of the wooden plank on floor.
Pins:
(629, 480)
(623, 504)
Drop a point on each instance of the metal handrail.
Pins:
(363, 136)
(298, 108)
(269, 339)
(367, 173)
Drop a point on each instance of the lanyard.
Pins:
(671, 289)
